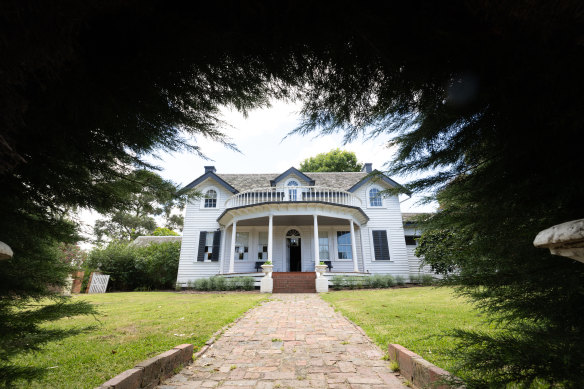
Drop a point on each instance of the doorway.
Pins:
(293, 245)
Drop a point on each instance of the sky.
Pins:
(260, 137)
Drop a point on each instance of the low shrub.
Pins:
(427, 279)
(399, 280)
(376, 281)
(415, 279)
(338, 282)
(248, 283)
(219, 283)
(202, 284)
(389, 281)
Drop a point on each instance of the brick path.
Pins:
(292, 341)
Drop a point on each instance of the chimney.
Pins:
(210, 169)
(367, 167)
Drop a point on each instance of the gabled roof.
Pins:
(349, 181)
(375, 175)
(292, 170)
(214, 176)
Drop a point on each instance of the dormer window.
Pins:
(292, 193)
(375, 198)
(211, 199)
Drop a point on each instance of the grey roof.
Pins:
(336, 180)
(142, 241)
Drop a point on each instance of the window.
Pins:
(375, 198)
(380, 246)
(292, 193)
(411, 240)
(323, 246)
(209, 246)
(241, 245)
(211, 199)
(344, 245)
(263, 246)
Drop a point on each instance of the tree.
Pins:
(163, 231)
(334, 161)
(495, 136)
(146, 195)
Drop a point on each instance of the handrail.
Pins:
(293, 194)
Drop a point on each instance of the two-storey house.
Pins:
(295, 220)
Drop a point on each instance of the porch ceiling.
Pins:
(297, 213)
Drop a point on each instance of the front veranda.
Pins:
(294, 237)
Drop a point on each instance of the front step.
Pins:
(294, 282)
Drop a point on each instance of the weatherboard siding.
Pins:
(199, 219)
(389, 218)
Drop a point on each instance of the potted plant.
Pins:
(268, 268)
(320, 268)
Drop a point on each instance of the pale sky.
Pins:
(259, 137)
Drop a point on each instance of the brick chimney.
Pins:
(210, 169)
(367, 167)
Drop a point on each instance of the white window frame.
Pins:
(337, 245)
(258, 244)
(204, 192)
(372, 247)
(287, 188)
(322, 235)
(249, 244)
(368, 197)
(205, 253)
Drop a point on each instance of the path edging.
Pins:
(149, 373)
(416, 369)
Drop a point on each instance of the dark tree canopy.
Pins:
(334, 161)
(484, 95)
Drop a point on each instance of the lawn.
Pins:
(132, 327)
(416, 318)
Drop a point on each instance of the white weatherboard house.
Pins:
(295, 220)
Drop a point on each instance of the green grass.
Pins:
(132, 327)
(416, 318)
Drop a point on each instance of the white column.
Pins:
(232, 251)
(222, 252)
(354, 248)
(362, 249)
(316, 251)
(270, 237)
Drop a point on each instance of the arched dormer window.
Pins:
(211, 198)
(375, 197)
(292, 193)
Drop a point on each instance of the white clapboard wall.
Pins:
(98, 283)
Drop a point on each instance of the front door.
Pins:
(294, 254)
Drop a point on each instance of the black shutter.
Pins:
(216, 245)
(202, 240)
(380, 245)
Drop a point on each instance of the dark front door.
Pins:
(295, 259)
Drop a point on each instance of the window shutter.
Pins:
(202, 239)
(216, 245)
(380, 245)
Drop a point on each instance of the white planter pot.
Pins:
(320, 269)
(267, 269)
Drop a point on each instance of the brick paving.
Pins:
(292, 341)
